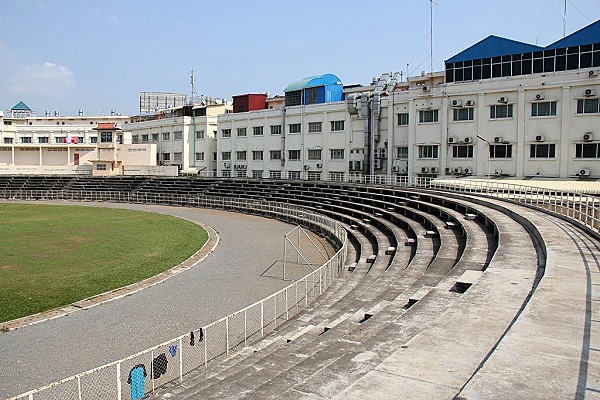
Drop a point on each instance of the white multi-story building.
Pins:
(185, 137)
(500, 108)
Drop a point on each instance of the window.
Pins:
(337, 126)
(225, 132)
(294, 155)
(543, 109)
(80, 140)
(215, 156)
(105, 137)
(315, 127)
(226, 173)
(177, 157)
(257, 174)
(240, 155)
(402, 152)
(403, 119)
(63, 139)
(155, 137)
(8, 140)
(166, 156)
(166, 136)
(43, 139)
(199, 156)
(240, 173)
(294, 128)
(463, 114)
(587, 150)
(275, 174)
(199, 134)
(145, 138)
(275, 154)
(93, 139)
(257, 130)
(501, 151)
(275, 129)
(225, 155)
(177, 135)
(538, 150)
(314, 154)
(426, 116)
(241, 132)
(101, 167)
(293, 174)
(461, 151)
(501, 111)
(257, 155)
(337, 154)
(135, 139)
(428, 151)
(588, 106)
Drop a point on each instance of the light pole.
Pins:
(489, 156)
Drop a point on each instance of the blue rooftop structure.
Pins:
(21, 106)
(588, 35)
(493, 46)
(495, 57)
(315, 89)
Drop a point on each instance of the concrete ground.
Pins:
(241, 271)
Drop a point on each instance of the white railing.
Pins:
(142, 373)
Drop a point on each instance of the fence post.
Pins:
(79, 386)
(262, 319)
(245, 326)
(227, 336)
(287, 314)
(205, 349)
(118, 381)
(180, 360)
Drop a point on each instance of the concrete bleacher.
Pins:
(439, 318)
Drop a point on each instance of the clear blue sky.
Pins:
(98, 55)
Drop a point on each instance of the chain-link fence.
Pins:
(139, 374)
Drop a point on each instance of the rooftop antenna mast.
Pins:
(565, 18)
(431, 37)
(193, 82)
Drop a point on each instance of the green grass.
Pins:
(54, 255)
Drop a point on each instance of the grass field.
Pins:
(54, 255)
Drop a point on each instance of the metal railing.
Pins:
(143, 372)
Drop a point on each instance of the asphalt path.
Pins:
(230, 278)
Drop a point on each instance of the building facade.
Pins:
(500, 108)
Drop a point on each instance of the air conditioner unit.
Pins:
(457, 103)
(243, 166)
(467, 170)
(383, 152)
(226, 164)
(584, 172)
(319, 165)
(592, 74)
(588, 136)
(449, 170)
(306, 167)
(468, 139)
(395, 168)
(589, 92)
(425, 88)
(452, 139)
(457, 170)
(469, 103)
(435, 170)
(540, 138)
(377, 164)
(498, 139)
(503, 99)
(539, 96)
(424, 170)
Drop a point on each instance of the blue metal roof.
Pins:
(20, 106)
(588, 35)
(312, 81)
(493, 46)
